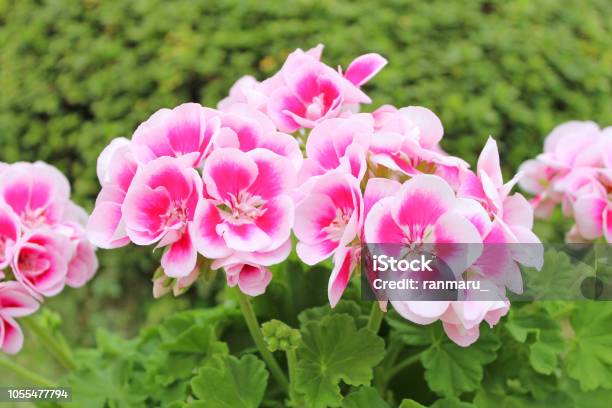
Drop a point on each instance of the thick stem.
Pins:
(58, 349)
(254, 329)
(292, 365)
(26, 374)
(376, 316)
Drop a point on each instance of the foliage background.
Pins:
(75, 74)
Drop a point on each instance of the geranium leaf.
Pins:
(333, 350)
(546, 343)
(231, 383)
(452, 403)
(348, 307)
(364, 397)
(589, 359)
(451, 370)
(408, 403)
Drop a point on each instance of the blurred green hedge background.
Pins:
(75, 74)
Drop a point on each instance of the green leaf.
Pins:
(543, 358)
(451, 370)
(99, 382)
(408, 403)
(348, 307)
(589, 359)
(452, 403)
(333, 350)
(561, 277)
(231, 383)
(196, 339)
(364, 397)
(599, 398)
(546, 342)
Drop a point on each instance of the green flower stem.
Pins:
(23, 372)
(402, 365)
(253, 325)
(376, 316)
(292, 365)
(57, 348)
(394, 350)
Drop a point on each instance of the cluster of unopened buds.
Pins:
(228, 186)
(575, 170)
(43, 245)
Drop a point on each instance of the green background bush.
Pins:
(75, 74)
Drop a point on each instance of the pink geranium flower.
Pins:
(504, 221)
(10, 232)
(251, 279)
(461, 320)
(248, 207)
(83, 265)
(14, 302)
(329, 217)
(593, 213)
(41, 262)
(116, 170)
(249, 270)
(37, 192)
(247, 90)
(159, 207)
(183, 132)
(245, 128)
(569, 146)
(340, 143)
(424, 211)
(487, 186)
(407, 140)
(305, 91)
(327, 221)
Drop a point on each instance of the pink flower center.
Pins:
(243, 209)
(415, 235)
(31, 264)
(316, 108)
(33, 219)
(177, 216)
(336, 228)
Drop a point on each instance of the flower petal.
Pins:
(364, 67)
(228, 172)
(421, 201)
(179, 260)
(344, 264)
(281, 101)
(203, 231)
(380, 227)
(488, 162)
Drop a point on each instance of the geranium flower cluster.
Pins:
(43, 246)
(292, 154)
(575, 170)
